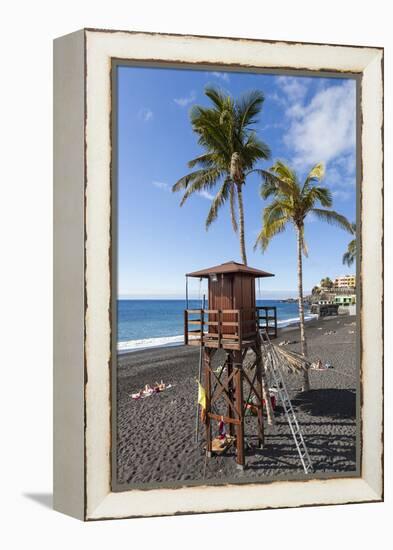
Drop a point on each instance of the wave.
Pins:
(178, 340)
(146, 343)
(287, 322)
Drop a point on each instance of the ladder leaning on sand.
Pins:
(273, 366)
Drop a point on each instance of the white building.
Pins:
(345, 281)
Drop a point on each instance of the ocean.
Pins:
(143, 324)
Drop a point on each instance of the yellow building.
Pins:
(345, 281)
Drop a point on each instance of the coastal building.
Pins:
(345, 281)
(324, 310)
(345, 300)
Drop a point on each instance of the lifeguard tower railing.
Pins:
(228, 328)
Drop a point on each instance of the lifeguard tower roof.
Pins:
(230, 267)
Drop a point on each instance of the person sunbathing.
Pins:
(149, 390)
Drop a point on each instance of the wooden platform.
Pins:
(232, 329)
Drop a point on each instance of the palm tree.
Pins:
(350, 254)
(291, 203)
(231, 150)
(326, 283)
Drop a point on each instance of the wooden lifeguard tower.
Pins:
(232, 323)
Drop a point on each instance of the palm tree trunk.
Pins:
(303, 341)
(241, 223)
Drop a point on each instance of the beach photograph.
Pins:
(236, 296)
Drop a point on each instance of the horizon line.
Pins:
(175, 297)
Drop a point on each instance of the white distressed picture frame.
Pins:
(82, 240)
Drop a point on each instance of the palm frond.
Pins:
(273, 211)
(314, 194)
(332, 217)
(248, 107)
(254, 149)
(183, 182)
(316, 173)
(269, 231)
(217, 202)
(272, 185)
(350, 255)
(348, 259)
(213, 136)
(284, 172)
(207, 160)
(292, 361)
(205, 180)
(217, 96)
(281, 181)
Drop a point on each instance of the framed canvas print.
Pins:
(218, 274)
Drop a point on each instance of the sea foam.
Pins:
(146, 343)
(287, 322)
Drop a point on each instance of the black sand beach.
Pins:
(156, 443)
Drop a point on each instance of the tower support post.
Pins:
(207, 363)
(259, 367)
(230, 391)
(240, 459)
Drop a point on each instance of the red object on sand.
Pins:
(272, 400)
(221, 429)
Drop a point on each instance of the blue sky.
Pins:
(304, 120)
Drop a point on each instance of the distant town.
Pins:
(339, 293)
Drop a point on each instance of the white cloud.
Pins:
(341, 174)
(220, 75)
(145, 114)
(293, 87)
(347, 163)
(289, 90)
(184, 101)
(161, 185)
(206, 195)
(324, 130)
(280, 100)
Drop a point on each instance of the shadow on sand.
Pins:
(334, 403)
